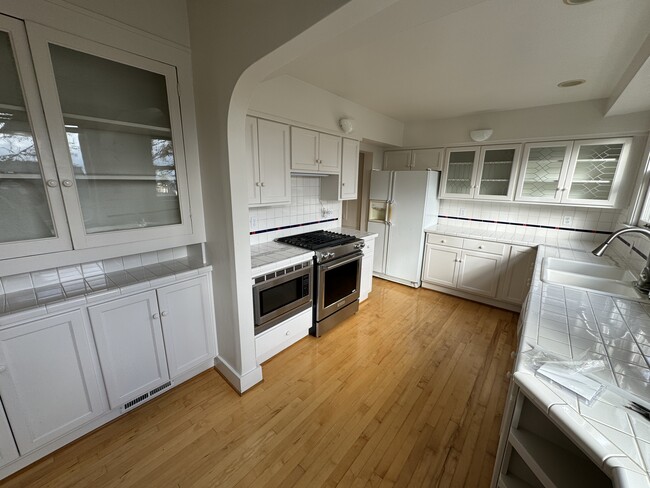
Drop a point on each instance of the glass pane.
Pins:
(459, 174)
(119, 138)
(24, 208)
(543, 170)
(594, 173)
(340, 282)
(497, 167)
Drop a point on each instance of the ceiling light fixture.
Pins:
(577, 2)
(570, 83)
(481, 135)
(346, 125)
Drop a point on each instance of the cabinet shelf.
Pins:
(122, 178)
(117, 125)
(602, 182)
(495, 180)
(598, 160)
(15, 108)
(497, 162)
(20, 176)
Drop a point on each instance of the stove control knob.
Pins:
(360, 245)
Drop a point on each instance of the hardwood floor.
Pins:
(408, 392)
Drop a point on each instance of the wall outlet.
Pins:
(567, 220)
(461, 212)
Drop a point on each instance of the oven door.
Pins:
(280, 298)
(338, 284)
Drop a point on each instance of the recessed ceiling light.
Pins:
(576, 2)
(569, 83)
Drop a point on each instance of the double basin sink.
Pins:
(600, 278)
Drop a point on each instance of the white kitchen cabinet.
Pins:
(440, 265)
(276, 339)
(518, 274)
(349, 169)
(130, 345)
(188, 324)
(481, 173)
(414, 159)
(367, 268)
(587, 172)
(8, 449)
(268, 160)
(478, 273)
(49, 380)
(313, 151)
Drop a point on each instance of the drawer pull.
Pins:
(287, 333)
(155, 316)
(164, 314)
(443, 240)
(480, 247)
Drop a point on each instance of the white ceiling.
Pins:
(432, 59)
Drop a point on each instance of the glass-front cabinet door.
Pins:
(497, 172)
(543, 171)
(459, 173)
(114, 120)
(32, 217)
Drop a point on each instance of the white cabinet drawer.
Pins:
(445, 240)
(274, 340)
(484, 246)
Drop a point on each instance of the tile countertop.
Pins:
(578, 326)
(271, 256)
(68, 294)
(360, 234)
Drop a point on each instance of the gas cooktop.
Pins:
(318, 239)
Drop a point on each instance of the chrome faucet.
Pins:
(643, 283)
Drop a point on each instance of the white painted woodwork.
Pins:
(381, 245)
(485, 246)
(274, 162)
(542, 180)
(448, 185)
(252, 161)
(478, 273)
(518, 273)
(423, 159)
(8, 449)
(283, 335)
(130, 346)
(446, 240)
(397, 160)
(49, 382)
(304, 149)
(329, 153)
(440, 265)
(188, 324)
(349, 169)
(486, 178)
(366, 268)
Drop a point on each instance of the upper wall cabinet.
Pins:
(268, 160)
(414, 159)
(349, 169)
(485, 173)
(315, 151)
(585, 172)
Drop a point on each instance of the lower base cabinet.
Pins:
(272, 341)
(8, 449)
(366, 268)
(49, 380)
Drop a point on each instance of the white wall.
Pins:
(304, 104)
(564, 120)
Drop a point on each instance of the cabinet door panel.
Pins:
(304, 149)
(440, 265)
(543, 171)
(496, 174)
(349, 169)
(274, 162)
(329, 153)
(188, 324)
(32, 216)
(479, 273)
(366, 274)
(397, 160)
(516, 281)
(115, 124)
(252, 161)
(423, 159)
(8, 449)
(130, 345)
(459, 173)
(50, 385)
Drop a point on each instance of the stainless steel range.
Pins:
(337, 272)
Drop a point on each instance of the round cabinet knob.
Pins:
(287, 333)
(508, 375)
(342, 184)
(443, 240)
(164, 314)
(3, 368)
(67, 183)
(155, 316)
(262, 183)
(480, 247)
(257, 184)
(52, 183)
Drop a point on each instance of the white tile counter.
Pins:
(578, 325)
(359, 234)
(271, 256)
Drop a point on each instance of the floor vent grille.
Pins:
(135, 401)
(160, 388)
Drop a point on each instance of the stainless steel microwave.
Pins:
(279, 295)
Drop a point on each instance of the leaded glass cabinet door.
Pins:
(543, 171)
(595, 171)
(496, 174)
(460, 173)
(114, 119)
(32, 216)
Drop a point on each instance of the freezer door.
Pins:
(380, 185)
(379, 262)
(404, 256)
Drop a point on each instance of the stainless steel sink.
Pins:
(602, 278)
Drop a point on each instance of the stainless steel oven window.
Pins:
(338, 284)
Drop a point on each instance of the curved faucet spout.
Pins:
(643, 283)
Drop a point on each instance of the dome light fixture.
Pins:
(576, 2)
(570, 83)
(481, 135)
(346, 125)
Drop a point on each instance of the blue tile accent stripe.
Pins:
(292, 226)
(534, 226)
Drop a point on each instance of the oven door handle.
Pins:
(327, 267)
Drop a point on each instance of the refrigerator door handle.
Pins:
(389, 212)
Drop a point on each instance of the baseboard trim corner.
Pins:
(239, 382)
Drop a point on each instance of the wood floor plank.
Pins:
(408, 392)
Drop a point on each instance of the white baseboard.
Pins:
(240, 382)
(412, 284)
(475, 298)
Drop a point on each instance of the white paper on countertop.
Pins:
(570, 379)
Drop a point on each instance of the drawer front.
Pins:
(445, 240)
(274, 340)
(484, 246)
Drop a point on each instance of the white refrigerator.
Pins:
(402, 205)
